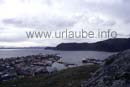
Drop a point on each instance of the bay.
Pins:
(67, 56)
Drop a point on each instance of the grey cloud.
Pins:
(98, 21)
(56, 23)
(53, 23)
(123, 35)
(110, 23)
(119, 10)
(2, 28)
(62, 23)
(126, 1)
(1, 1)
(127, 21)
(49, 2)
(23, 23)
(12, 39)
(12, 21)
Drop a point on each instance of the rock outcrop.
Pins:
(115, 72)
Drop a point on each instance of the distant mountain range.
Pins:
(110, 45)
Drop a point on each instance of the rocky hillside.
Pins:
(115, 72)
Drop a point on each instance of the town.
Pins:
(33, 65)
(18, 67)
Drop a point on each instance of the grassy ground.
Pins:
(71, 77)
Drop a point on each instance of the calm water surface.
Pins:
(67, 56)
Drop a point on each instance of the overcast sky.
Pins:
(19, 16)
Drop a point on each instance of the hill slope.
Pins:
(111, 45)
(114, 73)
(71, 77)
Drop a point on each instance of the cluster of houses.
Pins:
(16, 67)
(19, 67)
(91, 61)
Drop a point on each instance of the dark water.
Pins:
(67, 56)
